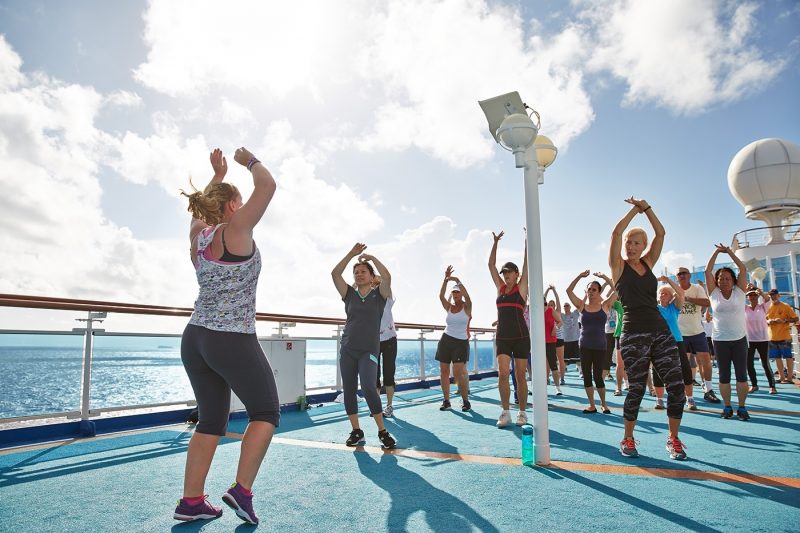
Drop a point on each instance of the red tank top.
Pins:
(549, 322)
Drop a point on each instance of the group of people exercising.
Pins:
(220, 350)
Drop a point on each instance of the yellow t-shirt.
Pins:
(780, 332)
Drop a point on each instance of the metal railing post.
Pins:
(475, 364)
(494, 351)
(422, 355)
(87, 428)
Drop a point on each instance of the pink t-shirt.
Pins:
(756, 321)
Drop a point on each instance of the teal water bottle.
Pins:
(527, 445)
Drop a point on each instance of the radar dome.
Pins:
(765, 178)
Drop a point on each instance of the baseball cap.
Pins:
(509, 267)
(455, 288)
(774, 291)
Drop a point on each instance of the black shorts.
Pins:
(559, 343)
(516, 348)
(696, 343)
(452, 350)
(571, 351)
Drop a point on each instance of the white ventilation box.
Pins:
(287, 357)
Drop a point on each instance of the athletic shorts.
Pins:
(780, 349)
(571, 352)
(516, 348)
(696, 343)
(559, 343)
(452, 350)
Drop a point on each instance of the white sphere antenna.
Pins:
(764, 177)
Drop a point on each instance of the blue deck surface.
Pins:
(130, 482)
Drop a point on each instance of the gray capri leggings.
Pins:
(218, 361)
(355, 364)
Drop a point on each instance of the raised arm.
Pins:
(465, 293)
(741, 279)
(711, 283)
(679, 292)
(702, 302)
(612, 295)
(498, 281)
(577, 302)
(220, 166)
(558, 300)
(246, 217)
(615, 260)
(338, 270)
(385, 287)
(654, 252)
(442, 297)
(523, 278)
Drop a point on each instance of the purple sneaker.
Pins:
(236, 499)
(202, 511)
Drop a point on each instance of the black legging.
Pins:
(731, 352)
(686, 369)
(763, 353)
(592, 362)
(218, 361)
(389, 356)
(610, 345)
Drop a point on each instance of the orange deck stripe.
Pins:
(724, 477)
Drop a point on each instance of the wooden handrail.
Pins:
(72, 304)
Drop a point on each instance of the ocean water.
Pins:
(41, 374)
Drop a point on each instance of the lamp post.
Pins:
(514, 130)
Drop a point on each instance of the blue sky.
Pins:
(367, 115)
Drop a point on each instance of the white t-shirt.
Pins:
(690, 321)
(387, 321)
(729, 323)
(707, 327)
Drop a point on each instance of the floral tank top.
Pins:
(227, 298)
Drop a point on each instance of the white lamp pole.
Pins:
(515, 131)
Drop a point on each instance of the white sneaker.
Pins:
(522, 418)
(558, 391)
(388, 411)
(504, 420)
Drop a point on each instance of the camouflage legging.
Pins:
(638, 351)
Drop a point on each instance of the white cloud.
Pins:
(685, 55)
(377, 76)
(197, 45)
(124, 99)
(425, 54)
(54, 239)
(10, 64)
(671, 260)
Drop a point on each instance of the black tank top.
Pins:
(638, 296)
(510, 314)
(233, 258)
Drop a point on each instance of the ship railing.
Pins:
(765, 235)
(98, 311)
